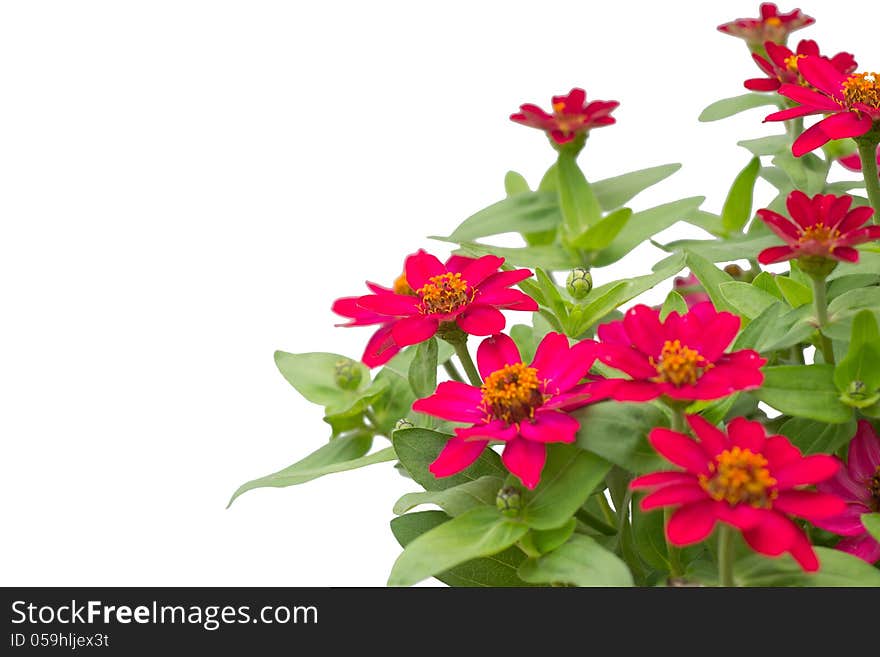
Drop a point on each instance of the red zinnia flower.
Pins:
(781, 65)
(743, 478)
(681, 357)
(858, 483)
(854, 162)
(823, 227)
(852, 103)
(771, 26)
(523, 406)
(572, 116)
(469, 292)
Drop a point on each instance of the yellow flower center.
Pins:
(679, 364)
(512, 393)
(444, 294)
(558, 107)
(740, 476)
(773, 21)
(791, 62)
(820, 233)
(401, 286)
(862, 88)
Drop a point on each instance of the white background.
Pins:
(186, 186)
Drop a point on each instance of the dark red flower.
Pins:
(682, 357)
(851, 103)
(469, 292)
(572, 116)
(854, 162)
(858, 483)
(745, 479)
(771, 26)
(523, 406)
(781, 65)
(823, 227)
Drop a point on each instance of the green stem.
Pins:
(795, 127)
(591, 521)
(820, 304)
(467, 362)
(452, 371)
(868, 155)
(725, 555)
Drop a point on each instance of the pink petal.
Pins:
(812, 138)
(412, 330)
(800, 208)
(495, 430)
(741, 516)
(481, 320)
(381, 348)
(845, 254)
(477, 271)
(809, 470)
(504, 279)
(859, 236)
(496, 352)
(809, 505)
(821, 74)
(716, 335)
(844, 124)
(663, 478)
(457, 455)
(456, 263)
(779, 451)
(863, 457)
(674, 494)
(864, 547)
(779, 225)
(803, 552)
(626, 359)
(420, 267)
(844, 485)
(550, 427)
(773, 535)
(847, 523)
(691, 523)
(808, 97)
(761, 84)
(614, 333)
(507, 298)
(746, 434)
(643, 327)
(711, 437)
(453, 401)
(525, 459)
(634, 391)
(679, 449)
(393, 305)
(775, 254)
(791, 113)
(855, 218)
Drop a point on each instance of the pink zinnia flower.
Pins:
(854, 162)
(523, 406)
(851, 103)
(858, 483)
(691, 290)
(823, 227)
(682, 357)
(771, 26)
(781, 65)
(572, 116)
(467, 292)
(743, 478)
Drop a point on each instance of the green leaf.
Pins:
(521, 213)
(548, 257)
(806, 391)
(767, 282)
(599, 236)
(618, 432)
(457, 499)
(862, 360)
(674, 302)
(423, 369)
(871, 521)
(722, 109)
(340, 454)
(813, 437)
(807, 172)
(314, 377)
(480, 532)
(551, 294)
(418, 448)
(735, 247)
(737, 208)
(578, 204)
(648, 534)
(547, 540)
(495, 570)
(795, 293)
(836, 568)
(581, 562)
(770, 145)
(568, 478)
(710, 278)
(747, 299)
(615, 192)
(515, 183)
(644, 224)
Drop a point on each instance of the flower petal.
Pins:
(626, 359)
(496, 352)
(495, 430)
(711, 437)
(663, 478)
(674, 494)
(525, 459)
(779, 451)
(809, 505)
(412, 330)
(775, 254)
(864, 547)
(845, 124)
(380, 348)
(504, 279)
(773, 535)
(847, 523)
(643, 327)
(779, 225)
(803, 552)
(393, 305)
(457, 455)
(420, 267)
(821, 74)
(810, 139)
(453, 401)
(863, 457)
(481, 320)
(550, 427)
(855, 218)
(477, 271)
(747, 434)
(691, 523)
(809, 470)
(809, 97)
(680, 450)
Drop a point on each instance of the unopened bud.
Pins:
(857, 390)
(579, 282)
(403, 423)
(508, 501)
(348, 374)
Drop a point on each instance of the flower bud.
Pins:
(508, 501)
(858, 395)
(348, 374)
(403, 423)
(579, 282)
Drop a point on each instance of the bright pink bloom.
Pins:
(691, 290)
(745, 479)
(781, 65)
(854, 162)
(682, 357)
(823, 227)
(851, 103)
(858, 483)
(469, 292)
(572, 116)
(771, 26)
(523, 406)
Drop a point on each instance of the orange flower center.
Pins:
(401, 286)
(773, 21)
(819, 233)
(444, 294)
(874, 487)
(862, 88)
(739, 476)
(512, 393)
(791, 62)
(679, 364)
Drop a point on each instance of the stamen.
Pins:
(512, 393)
(444, 294)
(401, 286)
(821, 234)
(862, 88)
(739, 476)
(791, 62)
(679, 364)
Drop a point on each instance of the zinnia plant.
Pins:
(710, 421)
